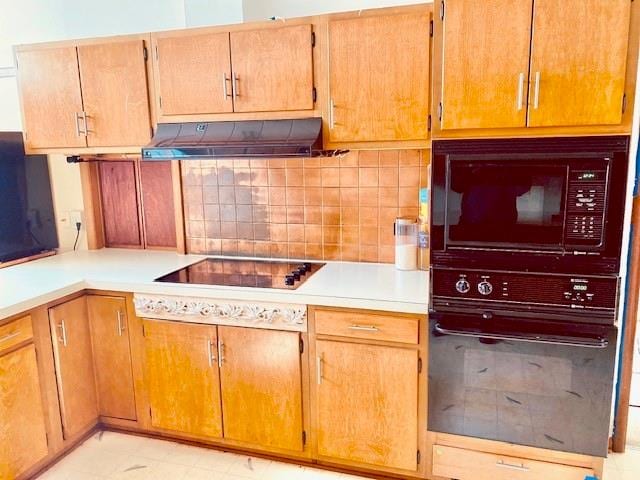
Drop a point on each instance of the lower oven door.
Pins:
(536, 383)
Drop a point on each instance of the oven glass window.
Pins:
(489, 203)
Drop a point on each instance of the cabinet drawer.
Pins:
(15, 332)
(470, 465)
(369, 326)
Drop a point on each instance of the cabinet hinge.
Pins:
(314, 94)
(442, 10)
(440, 109)
(418, 457)
(301, 345)
(160, 101)
(624, 102)
(46, 436)
(419, 365)
(304, 438)
(150, 413)
(429, 123)
(144, 334)
(313, 39)
(431, 28)
(145, 53)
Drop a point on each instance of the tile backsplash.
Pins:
(335, 208)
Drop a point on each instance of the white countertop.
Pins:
(372, 286)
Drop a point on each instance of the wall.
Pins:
(336, 208)
(264, 9)
(212, 12)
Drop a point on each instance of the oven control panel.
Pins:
(586, 200)
(571, 291)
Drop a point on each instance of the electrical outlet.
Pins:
(75, 217)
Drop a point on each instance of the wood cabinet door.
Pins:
(71, 336)
(578, 62)
(367, 404)
(23, 437)
(485, 63)
(112, 356)
(272, 69)
(261, 387)
(193, 74)
(119, 192)
(51, 99)
(158, 210)
(379, 73)
(114, 93)
(181, 375)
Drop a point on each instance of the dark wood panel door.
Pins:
(120, 204)
(158, 211)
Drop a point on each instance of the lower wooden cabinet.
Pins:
(23, 437)
(72, 353)
(261, 385)
(112, 356)
(367, 404)
(464, 464)
(181, 377)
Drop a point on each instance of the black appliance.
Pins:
(244, 273)
(27, 222)
(524, 267)
(238, 139)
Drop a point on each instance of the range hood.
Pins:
(238, 139)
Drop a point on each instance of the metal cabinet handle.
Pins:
(520, 90)
(225, 90)
(77, 118)
(536, 91)
(63, 333)
(121, 326)
(10, 336)
(220, 353)
(210, 355)
(520, 467)
(234, 85)
(366, 328)
(319, 369)
(332, 122)
(86, 125)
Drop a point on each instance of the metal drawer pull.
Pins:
(365, 328)
(520, 468)
(121, 326)
(10, 336)
(332, 122)
(220, 353)
(536, 92)
(210, 355)
(225, 90)
(319, 372)
(234, 86)
(63, 332)
(520, 90)
(77, 117)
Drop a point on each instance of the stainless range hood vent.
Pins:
(238, 139)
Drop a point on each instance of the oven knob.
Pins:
(485, 288)
(462, 286)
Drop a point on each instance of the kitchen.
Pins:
(310, 242)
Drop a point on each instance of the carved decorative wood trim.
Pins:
(222, 312)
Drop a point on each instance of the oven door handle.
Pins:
(573, 342)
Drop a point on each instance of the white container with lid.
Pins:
(406, 235)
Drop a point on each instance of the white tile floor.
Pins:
(114, 456)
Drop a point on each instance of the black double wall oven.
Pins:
(525, 258)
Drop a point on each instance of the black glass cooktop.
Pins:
(244, 273)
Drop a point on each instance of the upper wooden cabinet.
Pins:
(49, 85)
(485, 76)
(531, 63)
(71, 337)
(267, 70)
(193, 73)
(379, 69)
(112, 356)
(578, 62)
(90, 95)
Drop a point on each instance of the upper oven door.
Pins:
(514, 204)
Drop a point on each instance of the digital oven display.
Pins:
(580, 288)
